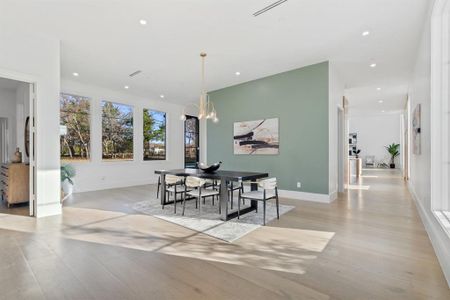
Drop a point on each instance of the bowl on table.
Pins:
(209, 168)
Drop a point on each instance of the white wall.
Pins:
(97, 174)
(420, 93)
(336, 94)
(8, 110)
(37, 59)
(375, 132)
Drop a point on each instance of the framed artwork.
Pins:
(256, 137)
(416, 130)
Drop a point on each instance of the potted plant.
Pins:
(394, 152)
(357, 152)
(67, 173)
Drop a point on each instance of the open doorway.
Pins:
(191, 142)
(16, 147)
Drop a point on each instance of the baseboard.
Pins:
(314, 197)
(437, 236)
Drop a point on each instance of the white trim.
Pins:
(438, 240)
(322, 198)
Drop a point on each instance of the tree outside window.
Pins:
(117, 131)
(74, 128)
(154, 135)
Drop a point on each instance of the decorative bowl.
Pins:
(209, 169)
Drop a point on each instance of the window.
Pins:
(191, 142)
(74, 128)
(154, 135)
(117, 131)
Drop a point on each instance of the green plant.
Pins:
(67, 173)
(393, 150)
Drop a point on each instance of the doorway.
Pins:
(191, 142)
(17, 171)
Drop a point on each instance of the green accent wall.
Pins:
(299, 98)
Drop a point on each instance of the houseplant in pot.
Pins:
(67, 173)
(394, 152)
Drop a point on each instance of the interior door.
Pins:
(191, 142)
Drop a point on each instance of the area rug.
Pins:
(208, 221)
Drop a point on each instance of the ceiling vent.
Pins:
(135, 73)
(269, 7)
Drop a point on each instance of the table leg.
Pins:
(254, 203)
(224, 200)
(163, 189)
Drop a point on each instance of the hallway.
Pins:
(368, 244)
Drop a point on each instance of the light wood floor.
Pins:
(369, 244)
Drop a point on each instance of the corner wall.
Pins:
(419, 184)
(37, 59)
(300, 99)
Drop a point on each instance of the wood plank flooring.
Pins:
(368, 244)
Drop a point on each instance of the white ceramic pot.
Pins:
(67, 187)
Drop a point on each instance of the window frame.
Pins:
(112, 161)
(165, 136)
(90, 113)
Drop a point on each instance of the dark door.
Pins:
(191, 142)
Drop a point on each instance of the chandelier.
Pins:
(205, 106)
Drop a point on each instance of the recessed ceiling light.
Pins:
(126, 87)
(143, 22)
(238, 73)
(378, 89)
(373, 65)
(366, 33)
(161, 96)
(380, 101)
(382, 111)
(75, 74)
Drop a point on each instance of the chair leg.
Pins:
(264, 213)
(278, 208)
(239, 207)
(159, 185)
(175, 204)
(184, 203)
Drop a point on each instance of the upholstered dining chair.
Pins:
(269, 191)
(197, 191)
(174, 185)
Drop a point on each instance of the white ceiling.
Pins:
(103, 41)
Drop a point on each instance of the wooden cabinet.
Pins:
(14, 179)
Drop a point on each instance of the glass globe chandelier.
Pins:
(206, 109)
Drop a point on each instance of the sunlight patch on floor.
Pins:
(274, 248)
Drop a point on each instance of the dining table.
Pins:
(225, 177)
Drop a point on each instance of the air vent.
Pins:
(269, 7)
(135, 73)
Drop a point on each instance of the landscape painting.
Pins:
(256, 137)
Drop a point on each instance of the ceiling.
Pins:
(103, 41)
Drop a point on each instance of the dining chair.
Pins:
(269, 191)
(175, 185)
(198, 191)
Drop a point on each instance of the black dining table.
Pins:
(225, 178)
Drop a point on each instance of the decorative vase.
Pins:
(17, 156)
(392, 166)
(67, 187)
